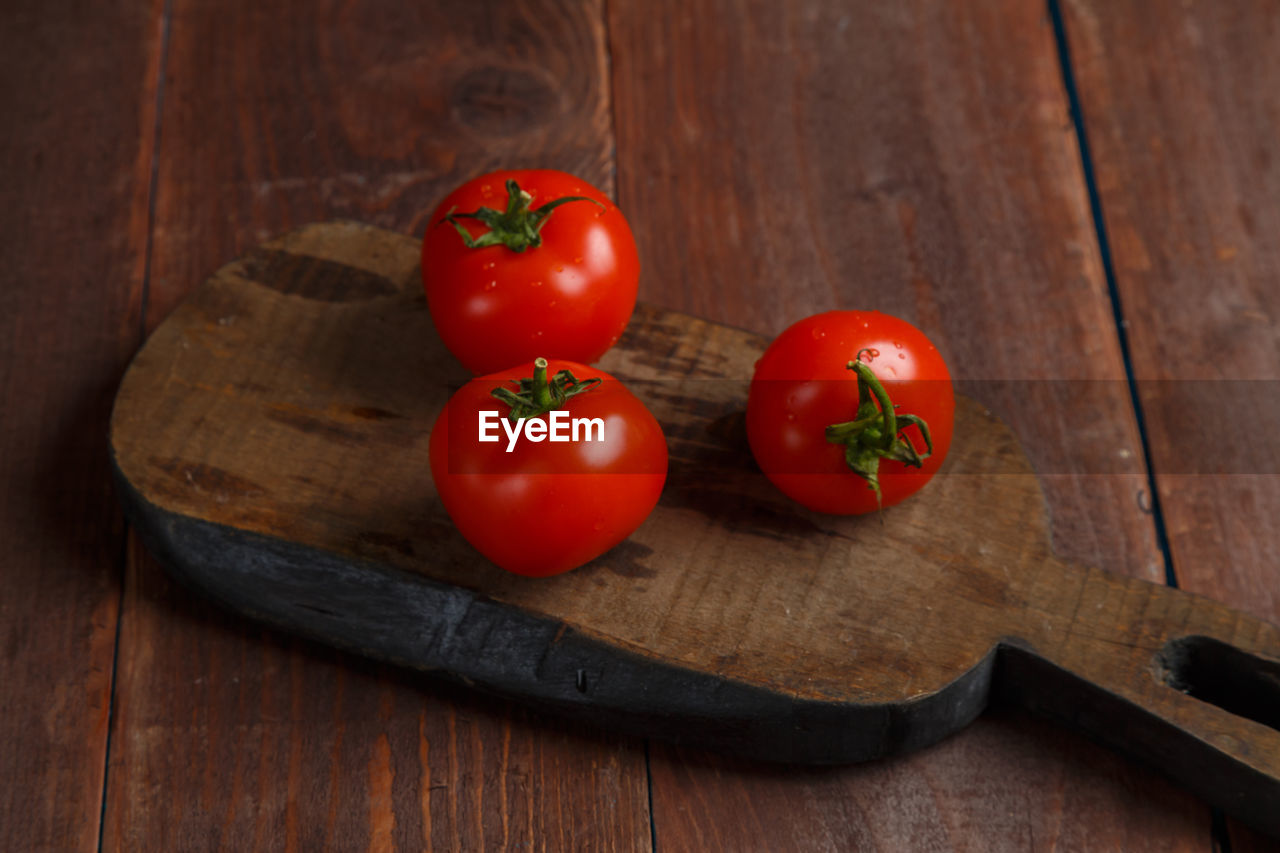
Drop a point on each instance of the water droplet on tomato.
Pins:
(537, 284)
(898, 344)
(551, 304)
(818, 334)
(491, 285)
(490, 265)
(613, 340)
(791, 416)
(902, 355)
(872, 353)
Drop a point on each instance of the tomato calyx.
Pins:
(536, 396)
(518, 227)
(876, 432)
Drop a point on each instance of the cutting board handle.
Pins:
(1180, 682)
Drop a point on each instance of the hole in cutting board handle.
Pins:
(1220, 674)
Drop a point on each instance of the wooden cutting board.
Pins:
(270, 442)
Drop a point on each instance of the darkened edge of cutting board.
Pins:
(411, 620)
(1045, 689)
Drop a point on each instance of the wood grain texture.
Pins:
(365, 111)
(1183, 113)
(918, 159)
(77, 103)
(269, 743)
(273, 116)
(974, 792)
(293, 412)
(1184, 122)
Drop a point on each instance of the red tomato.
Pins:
(563, 284)
(546, 507)
(803, 385)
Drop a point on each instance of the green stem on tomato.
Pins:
(875, 433)
(536, 396)
(542, 398)
(518, 227)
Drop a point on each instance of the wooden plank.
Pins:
(919, 159)
(986, 789)
(266, 742)
(275, 116)
(1182, 111)
(78, 103)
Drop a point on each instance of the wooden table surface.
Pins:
(1087, 190)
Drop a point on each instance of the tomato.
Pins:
(541, 507)
(822, 373)
(559, 278)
